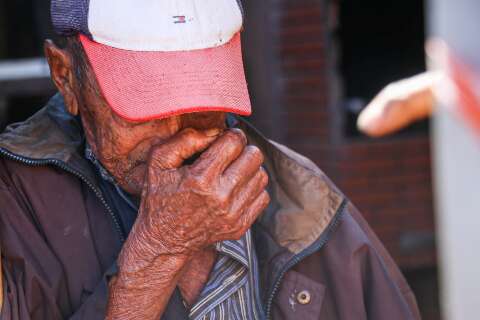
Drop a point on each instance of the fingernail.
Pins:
(212, 132)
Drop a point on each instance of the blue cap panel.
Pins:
(70, 17)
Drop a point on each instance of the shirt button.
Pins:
(303, 297)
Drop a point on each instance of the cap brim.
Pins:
(142, 86)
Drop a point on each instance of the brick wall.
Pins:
(390, 182)
(389, 179)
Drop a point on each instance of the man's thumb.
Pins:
(173, 152)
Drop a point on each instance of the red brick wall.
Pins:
(390, 182)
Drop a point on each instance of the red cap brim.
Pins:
(142, 86)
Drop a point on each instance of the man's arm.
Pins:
(184, 210)
(22, 277)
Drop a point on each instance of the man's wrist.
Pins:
(140, 256)
(141, 292)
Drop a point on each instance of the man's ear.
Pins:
(62, 74)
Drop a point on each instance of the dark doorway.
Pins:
(24, 24)
(380, 42)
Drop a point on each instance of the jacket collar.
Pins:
(52, 134)
(304, 201)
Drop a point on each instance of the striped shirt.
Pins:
(232, 291)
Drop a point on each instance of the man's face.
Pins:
(123, 146)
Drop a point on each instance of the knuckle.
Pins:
(233, 178)
(191, 138)
(220, 203)
(198, 169)
(163, 160)
(237, 136)
(255, 153)
(197, 182)
(223, 201)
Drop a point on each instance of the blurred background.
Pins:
(312, 66)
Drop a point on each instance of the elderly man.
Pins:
(132, 194)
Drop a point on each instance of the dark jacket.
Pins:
(59, 237)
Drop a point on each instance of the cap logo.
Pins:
(179, 19)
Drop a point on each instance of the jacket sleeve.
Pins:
(95, 305)
(24, 303)
(34, 283)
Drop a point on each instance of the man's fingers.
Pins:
(245, 196)
(172, 153)
(243, 168)
(221, 153)
(255, 209)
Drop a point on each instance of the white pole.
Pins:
(457, 170)
(457, 180)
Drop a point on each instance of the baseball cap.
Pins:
(158, 58)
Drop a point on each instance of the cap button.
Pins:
(304, 297)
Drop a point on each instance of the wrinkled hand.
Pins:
(187, 208)
(184, 209)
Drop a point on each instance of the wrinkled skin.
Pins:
(185, 209)
(220, 186)
(123, 147)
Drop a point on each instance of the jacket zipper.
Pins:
(62, 165)
(317, 245)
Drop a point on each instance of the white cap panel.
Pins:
(164, 25)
